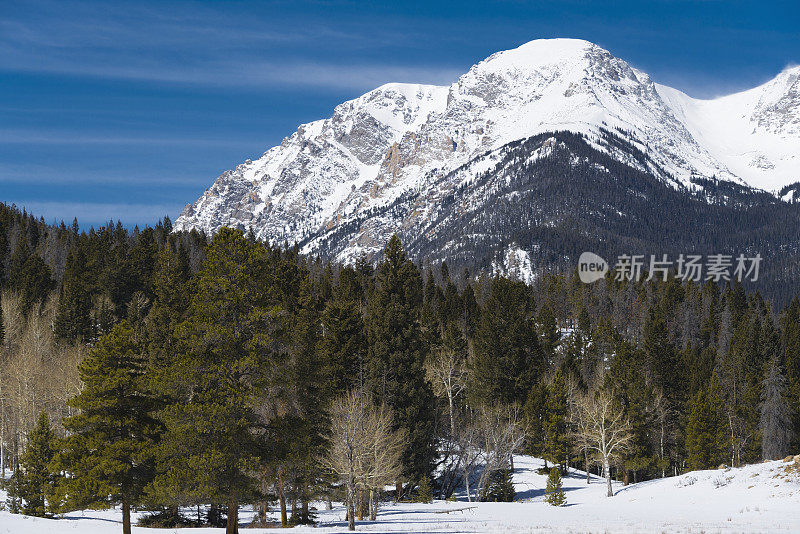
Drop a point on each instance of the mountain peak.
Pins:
(324, 184)
(538, 54)
(559, 66)
(546, 49)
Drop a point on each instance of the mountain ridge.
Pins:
(406, 140)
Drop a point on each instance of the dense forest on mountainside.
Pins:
(176, 370)
(554, 196)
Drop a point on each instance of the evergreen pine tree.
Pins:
(16, 263)
(140, 265)
(470, 312)
(554, 492)
(225, 352)
(548, 333)
(74, 320)
(108, 453)
(453, 303)
(556, 445)
(661, 357)
(307, 425)
(342, 347)
(432, 306)
(170, 281)
(508, 359)
(12, 487)
(705, 440)
(500, 487)
(535, 414)
(395, 366)
(116, 280)
(791, 358)
(775, 422)
(636, 397)
(424, 491)
(29, 275)
(35, 480)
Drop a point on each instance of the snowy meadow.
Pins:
(754, 498)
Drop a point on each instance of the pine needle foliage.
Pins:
(554, 492)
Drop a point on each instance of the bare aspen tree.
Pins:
(26, 377)
(469, 453)
(13, 319)
(14, 324)
(364, 452)
(65, 378)
(346, 450)
(36, 373)
(447, 372)
(384, 449)
(574, 396)
(501, 434)
(601, 427)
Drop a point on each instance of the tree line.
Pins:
(168, 372)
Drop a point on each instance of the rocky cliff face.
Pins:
(416, 159)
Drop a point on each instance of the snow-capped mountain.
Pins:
(755, 134)
(388, 161)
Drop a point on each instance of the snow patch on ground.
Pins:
(755, 498)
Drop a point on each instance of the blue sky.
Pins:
(129, 110)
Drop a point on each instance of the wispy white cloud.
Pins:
(348, 75)
(253, 74)
(200, 46)
(24, 174)
(33, 137)
(98, 213)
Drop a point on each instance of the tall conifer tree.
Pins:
(556, 444)
(36, 480)
(791, 358)
(109, 451)
(74, 320)
(705, 435)
(342, 347)
(508, 358)
(395, 366)
(225, 354)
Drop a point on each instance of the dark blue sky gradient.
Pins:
(129, 110)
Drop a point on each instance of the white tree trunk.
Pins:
(373, 504)
(351, 503)
(466, 481)
(607, 469)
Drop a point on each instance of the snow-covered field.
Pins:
(756, 498)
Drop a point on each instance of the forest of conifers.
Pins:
(165, 371)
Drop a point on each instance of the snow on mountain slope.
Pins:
(755, 133)
(759, 498)
(298, 186)
(568, 84)
(403, 139)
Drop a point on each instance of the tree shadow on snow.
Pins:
(385, 518)
(536, 492)
(88, 518)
